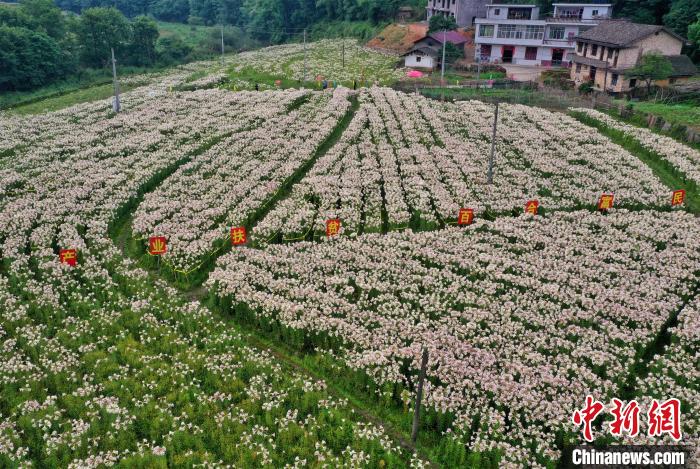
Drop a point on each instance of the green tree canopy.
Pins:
(651, 67)
(441, 23)
(99, 30)
(47, 16)
(144, 34)
(28, 59)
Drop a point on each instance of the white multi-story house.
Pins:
(516, 34)
(463, 11)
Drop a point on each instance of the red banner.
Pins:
(606, 201)
(68, 256)
(532, 206)
(238, 235)
(465, 217)
(678, 197)
(332, 227)
(157, 245)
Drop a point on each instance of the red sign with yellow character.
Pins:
(465, 217)
(238, 235)
(332, 227)
(606, 201)
(678, 197)
(157, 245)
(532, 206)
(68, 256)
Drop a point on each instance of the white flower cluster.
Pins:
(225, 186)
(410, 157)
(522, 317)
(682, 157)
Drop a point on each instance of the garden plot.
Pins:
(230, 183)
(409, 161)
(521, 317)
(323, 58)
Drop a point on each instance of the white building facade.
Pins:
(464, 12)
(516, 34)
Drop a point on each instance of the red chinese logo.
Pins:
(68, 256)
(678, 197)
(532, 206)
(587, 415)
(626, 419)
(332, 227)
(238, 235)
(157, 245)
(466, 216)
(665, 417)
(606, 201)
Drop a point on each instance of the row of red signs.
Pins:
(157, 245)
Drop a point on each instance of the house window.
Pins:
(497, 11)
(610, 53)
(534, 32)
(531, 53)
(579, 47)
(585, 49)
(453, 1)
(633, 82)
(613, 80)
(556, 32)
(595, 13)
(418, 58)
(594, 50)
(486, 30)
(506, 31)
(578, 68)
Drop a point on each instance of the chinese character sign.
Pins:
(157, 245)
(68, 256)
(661, 418)
(678, 197)
(332, 227)
(532, 206)
(606, 201)
(238, 235)
(465, 217)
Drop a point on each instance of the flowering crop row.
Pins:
(101, 365)
(323, 58)
(233, 180)
(406, 158)
(682, 157)
(521, 317)
(676, 373)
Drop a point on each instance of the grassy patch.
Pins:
(666, 172)
(63, 101)
(687, 114)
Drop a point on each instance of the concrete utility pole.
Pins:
(493, 145)
(222, 43)
(304, 83)
(116, 105)
(442, 72)
(419, 395)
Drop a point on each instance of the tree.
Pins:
(99, 30)
(651, 67)
(144, 34)
(17, 17)
(441, 23)
(694, 37)
(46, 15)
(453, 53)
(28, 59)
(682, 14)
(172, 49)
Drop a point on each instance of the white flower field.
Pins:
(298, 347)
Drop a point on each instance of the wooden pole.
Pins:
(419, 395)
